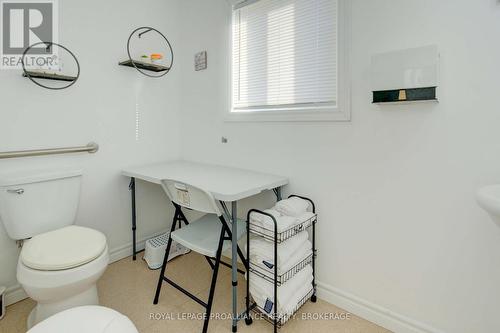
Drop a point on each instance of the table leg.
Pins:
(234, 263)
(131, 187)
(277, 192)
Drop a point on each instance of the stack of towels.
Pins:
(289, 294)
(287, 213)
(290, 253)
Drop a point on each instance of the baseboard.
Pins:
(379, 315)
(16, 293)
(125, 251)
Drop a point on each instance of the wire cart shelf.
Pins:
(268, 234)
(284, 317)
(270, 274)
(267, 274)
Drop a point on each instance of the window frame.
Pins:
(311, 112)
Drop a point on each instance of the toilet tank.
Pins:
(35, 202)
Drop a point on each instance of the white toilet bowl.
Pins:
(60, 269)
(60, 262)
(86, 319)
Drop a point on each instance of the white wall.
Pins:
(400, 238)
(400, 234)
(100, 107)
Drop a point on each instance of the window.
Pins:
(286, 60)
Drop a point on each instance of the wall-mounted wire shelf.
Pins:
(148, 69)
(39, 75)
(144, 65)
(49, 76)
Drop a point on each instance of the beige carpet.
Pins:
(129, 287)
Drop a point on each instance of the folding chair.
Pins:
(209, 235)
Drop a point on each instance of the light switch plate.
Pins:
(200, 61)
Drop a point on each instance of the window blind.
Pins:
(285, 54)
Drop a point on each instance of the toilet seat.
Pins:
(86, 319)
(56, 291)
(63, 248)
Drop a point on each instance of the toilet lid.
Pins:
(86, 319)
(64, 248)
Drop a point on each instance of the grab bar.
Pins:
(90, 148)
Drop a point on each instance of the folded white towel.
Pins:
(292, 303)
(266, 222)
(266, 262)
(263, 291)
(284, 223)
(265, 250)
(300, 254)
(292, 206)
(264, 219)
(304, 217)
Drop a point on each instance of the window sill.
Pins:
(319, 115)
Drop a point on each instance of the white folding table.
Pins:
(226, 184)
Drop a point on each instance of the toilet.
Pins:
(59, 263)
(86, 319)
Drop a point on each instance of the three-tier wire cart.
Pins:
(276, 318)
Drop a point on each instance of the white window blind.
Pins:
(285, 54)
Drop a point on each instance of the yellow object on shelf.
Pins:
(156, 58)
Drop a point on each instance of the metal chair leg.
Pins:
(165, 261)
(180, 214)
(209, 260)
(214, 281)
